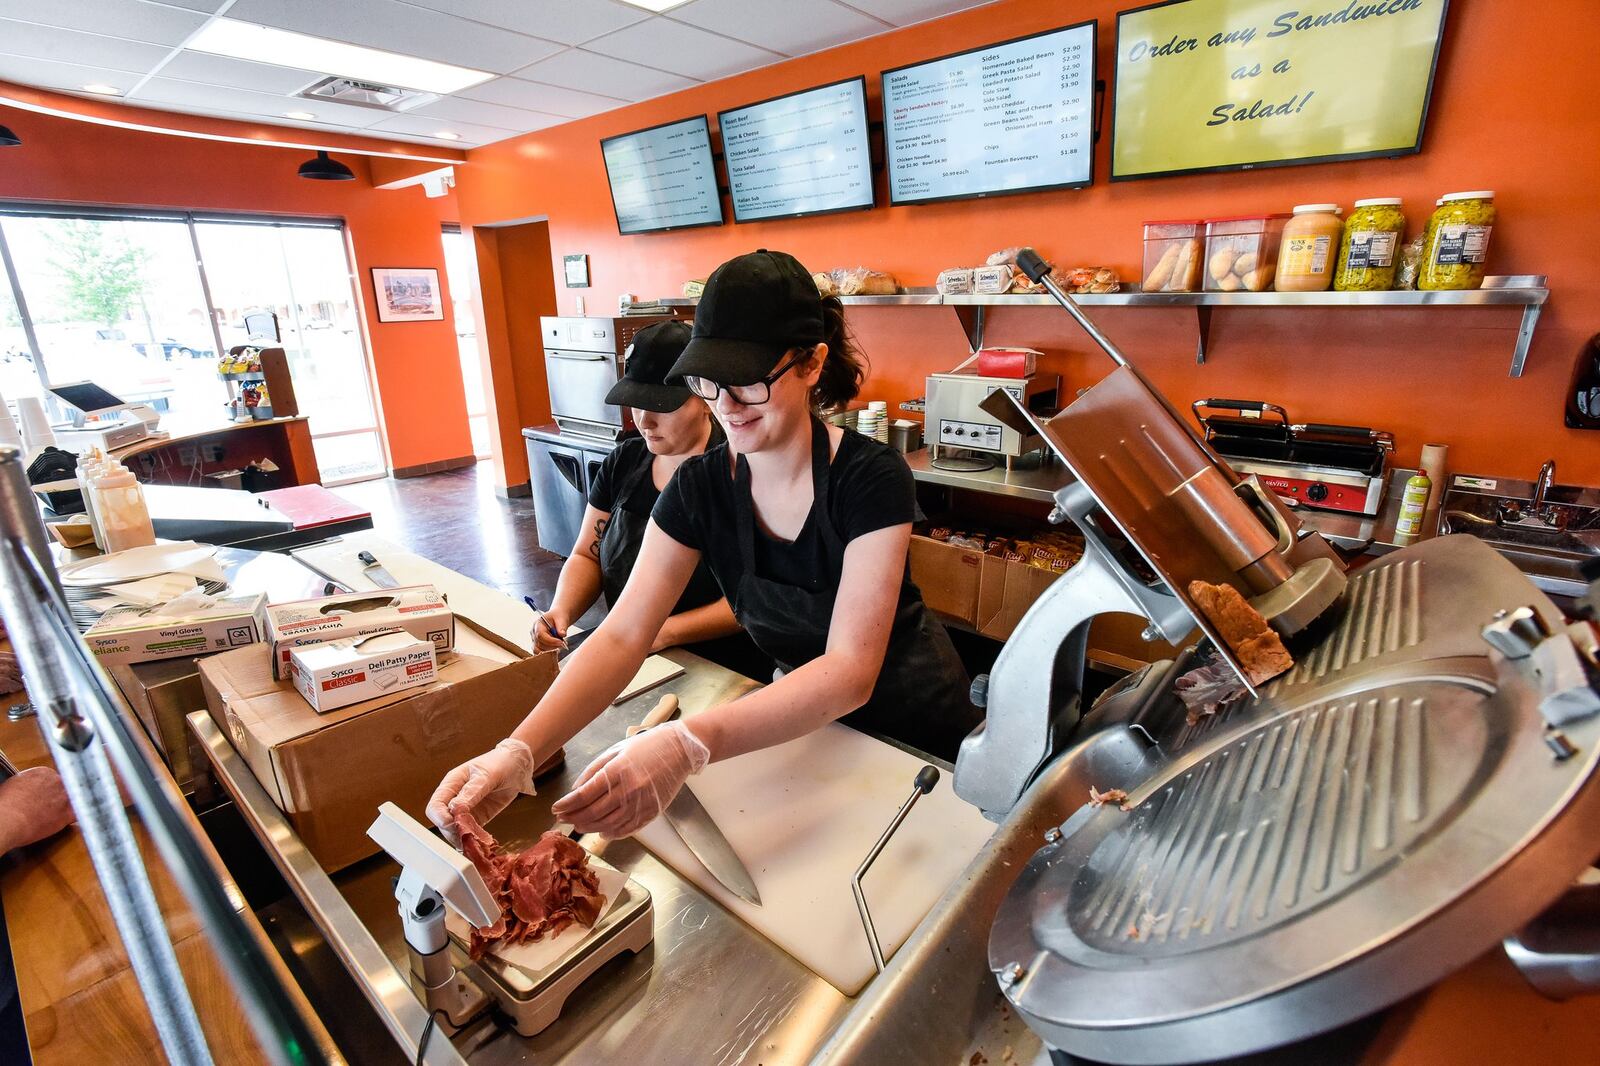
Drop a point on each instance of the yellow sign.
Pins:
(1234, 84)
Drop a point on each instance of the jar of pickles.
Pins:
(1369, 251)
(1456, 245)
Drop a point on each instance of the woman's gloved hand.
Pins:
(483, 786)
(549, 632)
(633, 781)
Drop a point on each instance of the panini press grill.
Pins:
(1424, 781)
(1329, 467)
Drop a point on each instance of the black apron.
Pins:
(619, 550)
(921, 696)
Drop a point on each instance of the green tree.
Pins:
(102, 274)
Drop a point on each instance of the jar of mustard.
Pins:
(1310, 248)
(1455, 246)
(1369, 251)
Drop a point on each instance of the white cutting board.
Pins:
(803, 816)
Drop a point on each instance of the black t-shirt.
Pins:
(869, 488)
(632, 457)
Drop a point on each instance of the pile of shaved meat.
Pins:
(541, 891)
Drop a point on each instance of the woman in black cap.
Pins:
(806, 529)
(673, 426)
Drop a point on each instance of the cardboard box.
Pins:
(343, 672)
(329, 772)
(948, 577)
(133, 635)
(418, 609)
(984, 593)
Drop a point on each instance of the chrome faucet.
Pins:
(1541, 489)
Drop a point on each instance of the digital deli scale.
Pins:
(435, 876)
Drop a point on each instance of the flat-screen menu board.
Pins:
(1237, 84)
(663, 178)
(1017, 116)
(801, 154)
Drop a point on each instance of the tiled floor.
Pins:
(457, 520)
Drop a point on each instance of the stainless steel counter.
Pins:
(1037, 479)
(709, 990)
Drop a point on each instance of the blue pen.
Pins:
(547, 626)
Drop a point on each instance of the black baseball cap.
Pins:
(754, 309)
(643, 383)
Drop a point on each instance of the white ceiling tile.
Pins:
(50, 74)
(114, 18)
(905, 12)
(781, 25)
(89, 49)
(595, 73)
(242, 101)
(681, 49)
(461, 109)
(238, 73)
(421, 126)
(552, 99)
(207, 6)
(397, 27)
(567, 21)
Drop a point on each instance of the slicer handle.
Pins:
(927, 778)
(1032, 264)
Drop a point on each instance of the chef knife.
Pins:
(375, 572)
(699, 832)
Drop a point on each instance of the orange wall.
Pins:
(417, 370)
(1510, 112)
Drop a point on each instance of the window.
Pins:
(143, 303)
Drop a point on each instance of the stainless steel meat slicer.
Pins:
(1421, 783)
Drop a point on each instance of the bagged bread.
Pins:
(825, 284)
(864, 282)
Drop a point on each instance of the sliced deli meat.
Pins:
(541, 890)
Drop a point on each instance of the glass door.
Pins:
(461, 272)
(301, 273)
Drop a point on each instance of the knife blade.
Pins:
(699, 832)
(375, 572)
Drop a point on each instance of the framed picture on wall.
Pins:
(408, 294)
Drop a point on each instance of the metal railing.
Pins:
(86, 733)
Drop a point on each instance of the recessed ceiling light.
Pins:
(303, 116)
(246, 40)
(102, 88)
(446, 135)
(655, 5)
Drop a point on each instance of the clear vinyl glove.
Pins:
(633, 781)
(484, 786)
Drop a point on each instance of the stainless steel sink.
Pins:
(1548, 539)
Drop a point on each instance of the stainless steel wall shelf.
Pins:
(1527, 291)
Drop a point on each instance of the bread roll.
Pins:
(1222, 262)
(1259, 279)
(1244, 264)
(1158, 278)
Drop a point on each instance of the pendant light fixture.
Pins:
(7, 138)
(326, 168)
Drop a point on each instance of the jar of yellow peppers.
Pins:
(1369, 251)
(1456, 244)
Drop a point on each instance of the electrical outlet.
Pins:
(214, 453)
(188, 454)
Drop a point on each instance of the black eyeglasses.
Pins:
(752, 395)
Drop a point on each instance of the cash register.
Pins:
(98, 419)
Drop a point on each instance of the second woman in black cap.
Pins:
(673, 427)
(805, 528)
